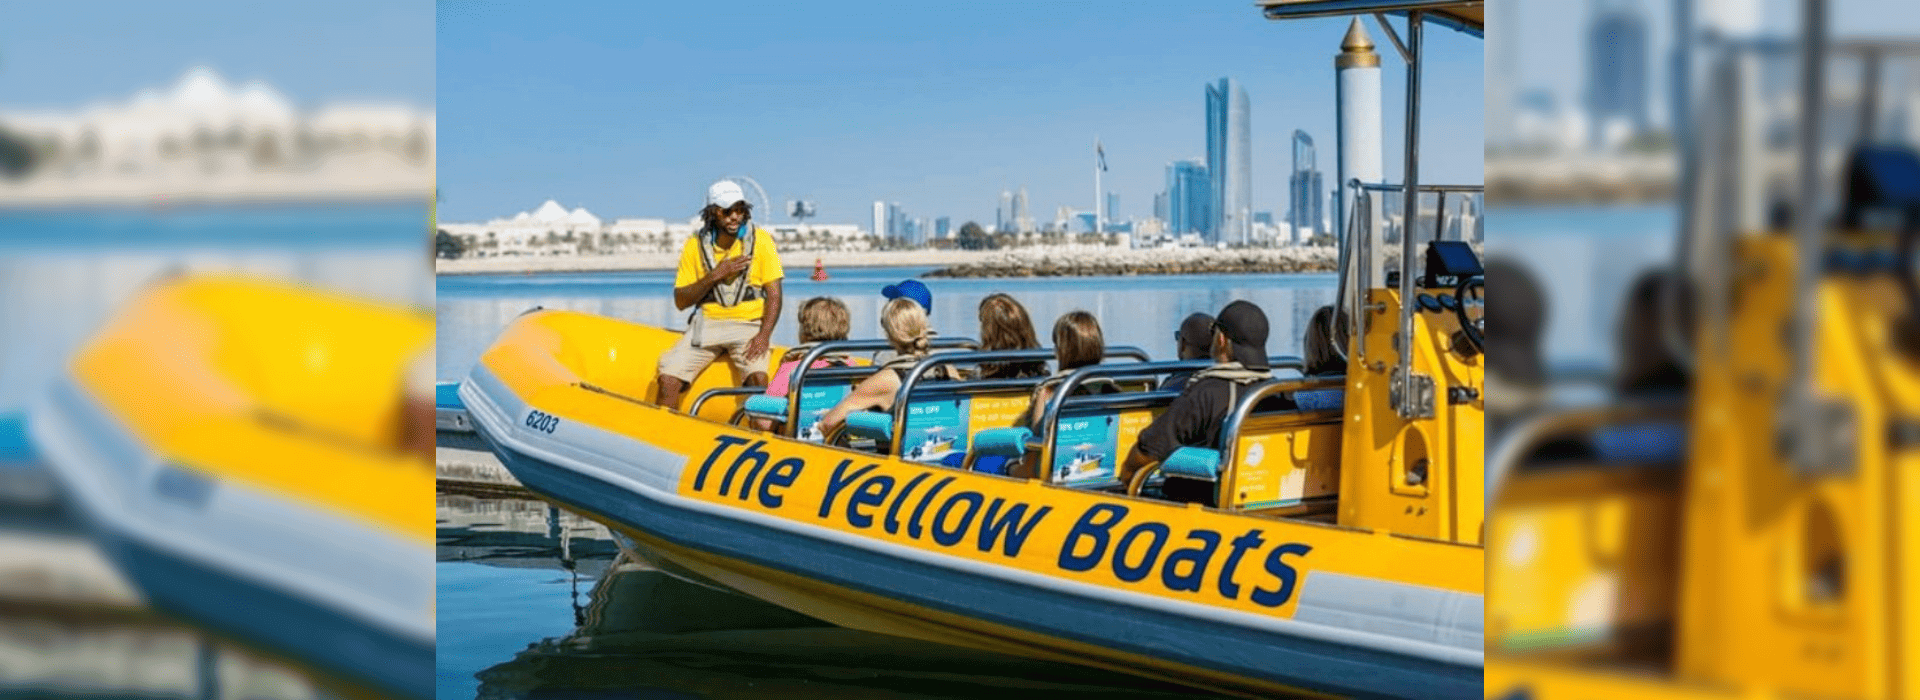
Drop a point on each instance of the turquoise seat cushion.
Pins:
(1003, 442)
(1192, 463)
(870, 425)
(774, 407)
(447, 395)
(13, 438)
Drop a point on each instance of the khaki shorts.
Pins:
(685, 359)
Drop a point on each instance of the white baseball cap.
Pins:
(725, 193)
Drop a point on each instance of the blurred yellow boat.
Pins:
(234, 442)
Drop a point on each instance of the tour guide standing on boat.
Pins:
(1239, 359)
(735, 279)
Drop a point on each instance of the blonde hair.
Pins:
(1077, 340)
(905, 324)
(823, 319)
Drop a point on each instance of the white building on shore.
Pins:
(551, 229)
(205, 137)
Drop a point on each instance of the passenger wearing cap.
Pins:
(1195, 342)
(1239, 351)
(906, 289)
(734, 279)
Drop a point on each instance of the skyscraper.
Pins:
(1003, 217)
(1021, 222)
(1617, 78)
(1113, 206)
(880, 220)
(942, 227)
(1230, 162)
(1189, 197)
(1306, 202)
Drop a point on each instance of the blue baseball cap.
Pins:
(911, 289)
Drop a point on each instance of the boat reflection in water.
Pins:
(641, 631)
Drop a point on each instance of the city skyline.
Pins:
(1545, 60)
(983, 107)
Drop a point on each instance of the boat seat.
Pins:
(1286, 459)
(1320, 399)
(1641, 443)
(1192, 463)
(995, 449)
(768, 407)
(447, 395)
(870, 425)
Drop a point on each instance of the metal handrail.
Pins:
(717, 392)
(921, 369)
(1050, 418)
(797, 380)
(1230, 427)
(1523, 439)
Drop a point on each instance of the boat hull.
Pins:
(645, 482)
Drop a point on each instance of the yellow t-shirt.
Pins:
(765, 268)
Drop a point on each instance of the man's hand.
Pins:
(726, 269)
(757, 346)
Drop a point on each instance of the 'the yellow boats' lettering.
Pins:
(927, 505)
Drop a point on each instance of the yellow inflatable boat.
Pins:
(1269, 593)
(235, 444)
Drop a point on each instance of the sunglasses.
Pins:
(740, 208)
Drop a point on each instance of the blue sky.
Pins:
(64, 55)
(631, 109)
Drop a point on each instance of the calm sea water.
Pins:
(1141, 311)
(535, 602)
(1584, 259)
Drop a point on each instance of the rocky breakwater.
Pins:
(1091, 261)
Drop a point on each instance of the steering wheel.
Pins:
(1469, 326)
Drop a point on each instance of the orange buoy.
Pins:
(819, 271)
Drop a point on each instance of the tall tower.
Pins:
(1021, 222)
(1617, 77)
(1230, 162)
(1304, 199)
(1358, 157)
(1189, 198)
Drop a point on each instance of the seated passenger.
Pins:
(1077, 342)
(1004, 325)
(822, 319)
(905, 323)
(907, 289)
(1193, 420)
(1323, 359)
(1195, 342)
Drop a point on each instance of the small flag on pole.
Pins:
(1101, 154)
